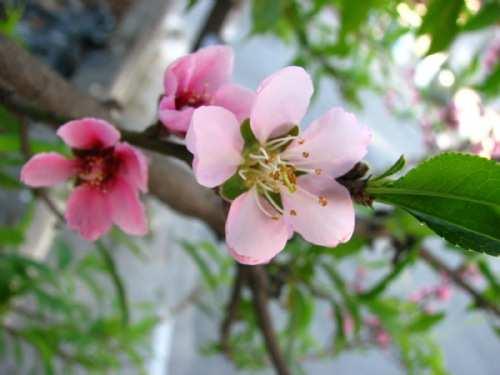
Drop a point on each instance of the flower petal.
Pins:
(325, 224)
(214, 139)
(88, 213)
(333, 143)
(236, 99)
(88, 133)
(127, 210)
(213, 67)
(252, 236)
(281, 102)
(48, 169)
(174, 120)
(133, 166)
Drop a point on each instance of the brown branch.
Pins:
(457, 278)
(257, 279)
(214, 22)
(231, 311)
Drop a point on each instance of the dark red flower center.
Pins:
(96, 167)
(189, 99)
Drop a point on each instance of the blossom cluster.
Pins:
(278, 179)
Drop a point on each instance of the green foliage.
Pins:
(456, 195)
(393, 169)
(440, 22)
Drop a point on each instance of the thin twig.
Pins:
(457, 278)
(258, 284)
(231, 311)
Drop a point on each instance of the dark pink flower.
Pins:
(198, 79)
(109, 175)
(290, 178)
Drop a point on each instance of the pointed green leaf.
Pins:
(456, 195)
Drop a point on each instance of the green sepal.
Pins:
(233, 188)
(247, 134)
(393, 169)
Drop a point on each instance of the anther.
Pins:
(305, 154)
(293, 212)
(318, 171)
(322, 200)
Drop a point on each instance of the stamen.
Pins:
(322, 200)
(264, 152)
(293, 212)
(273, 203)
(241, 173)
(280, 140)
(257, 157)
(305, 154)
(264, 211)
(265, 166)
(264, 186)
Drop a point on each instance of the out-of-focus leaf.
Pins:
(440, 22)
(456, 195)
(425, 322)
(382, 285)
(207, 274)
(11, 236)
(488, 15)
(265, 15)
(9, 182)
(491, 84)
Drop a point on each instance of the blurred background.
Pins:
(423, 74)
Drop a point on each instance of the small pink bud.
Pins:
(383, 339)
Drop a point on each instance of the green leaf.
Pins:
(440, 22)
(393, 169)
(491, 84)
(233, 188)
(265, 15)
(425, 322)
(456, 195)
(488, 15)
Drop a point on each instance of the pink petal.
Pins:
(325, 225)
(88, 212)
(213, 68)
(88, 133)
(133, 166)
(127, 210)
(333, 143)
(236, 99)
(251, 236)
(281, 102)
(215, 141)
(48, 169)
(174, 120)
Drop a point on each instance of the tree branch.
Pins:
(231, 311)
(257, 279)
(457, 278)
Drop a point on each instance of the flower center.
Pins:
(97, 167)
(266, 170)
(190, 99)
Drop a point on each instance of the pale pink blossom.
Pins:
(383, 339)
(290, 179)
(443, 292)
(108, 176)
(198, 79)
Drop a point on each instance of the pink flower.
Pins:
(289, 179)
(199, 79)
(443, 292)
(383, 339)
(348, 325)
(108, 174)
